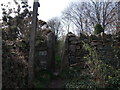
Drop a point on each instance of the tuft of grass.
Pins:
(41, 79)
(58, 59)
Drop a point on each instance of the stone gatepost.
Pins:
(41, 56)
(51, 52)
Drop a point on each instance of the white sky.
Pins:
(48, 8)
(52, 8)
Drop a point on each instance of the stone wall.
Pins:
(106, 46)
(44, 57)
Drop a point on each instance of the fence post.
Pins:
(32, 45)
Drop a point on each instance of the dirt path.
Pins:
(56, 83)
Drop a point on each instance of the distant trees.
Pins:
(55, 25)
(118, 22)
(85, 15)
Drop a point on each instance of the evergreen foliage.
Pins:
(98, 29)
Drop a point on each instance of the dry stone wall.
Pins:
(106, 46)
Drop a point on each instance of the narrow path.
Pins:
(56, 83)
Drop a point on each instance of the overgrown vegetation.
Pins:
(42, 79)
(15, 45)
(59, 50)
(91, 73)
(96, 73)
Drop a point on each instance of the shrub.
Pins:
(98, 29)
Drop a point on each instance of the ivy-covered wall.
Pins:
(92, 61)
(15, 59)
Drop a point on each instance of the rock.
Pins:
(72, 48)
(72, 60)
(70, 34)
(72, 38)
(78, 47)
(94, 43)
(86, 40)
(93, 37)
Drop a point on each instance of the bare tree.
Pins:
(118, 17)
(85, 15)
(55, 25)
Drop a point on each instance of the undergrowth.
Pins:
(97, 75)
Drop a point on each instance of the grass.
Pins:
(41, 79)
(58, 59)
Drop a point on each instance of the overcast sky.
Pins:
(52, 8)
(48, 8)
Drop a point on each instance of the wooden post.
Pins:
(32, 44)
(0, 59)
(118, 22)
